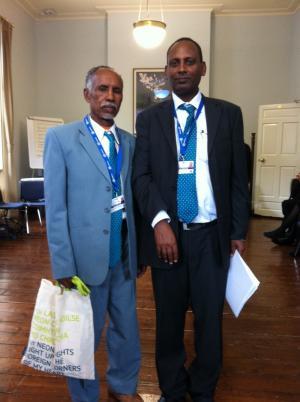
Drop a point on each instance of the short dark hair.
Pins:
(90, 74)
(189, 40)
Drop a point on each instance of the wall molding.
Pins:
(100, 11)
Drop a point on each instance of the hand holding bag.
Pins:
(61, 339)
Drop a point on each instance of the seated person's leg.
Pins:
(295, 189)
(287, 206)
(286, 225)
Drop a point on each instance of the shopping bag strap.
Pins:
(80, 286)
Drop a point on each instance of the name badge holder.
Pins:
(118, 202)
(186, 167)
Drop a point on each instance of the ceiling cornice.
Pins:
(218, 9)
(34, 13)
(26, 6)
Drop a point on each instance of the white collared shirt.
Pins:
(206, 203)
(99, 130)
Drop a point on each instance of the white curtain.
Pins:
(2, 106)
(6, 111)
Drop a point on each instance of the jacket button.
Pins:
(105, 231)
(108, 188)
(106, 210)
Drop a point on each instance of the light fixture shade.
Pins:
(149, 33)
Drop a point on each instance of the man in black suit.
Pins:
(190, 183)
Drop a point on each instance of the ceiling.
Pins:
(58, 9)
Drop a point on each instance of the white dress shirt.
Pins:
(102, 138)
(99, 130)
(206, 203)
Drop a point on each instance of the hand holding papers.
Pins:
(241, 284)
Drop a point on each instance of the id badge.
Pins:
(186, 167)
(117, 203)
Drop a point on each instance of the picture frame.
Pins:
(150, 86)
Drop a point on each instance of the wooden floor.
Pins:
(261, 347)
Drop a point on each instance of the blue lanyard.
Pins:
(184, 137)
(114, 176)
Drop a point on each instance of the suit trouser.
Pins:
(116, 296)
(199, 281)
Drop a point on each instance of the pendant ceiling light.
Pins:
(149, 33)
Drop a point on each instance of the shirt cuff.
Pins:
(160, 216)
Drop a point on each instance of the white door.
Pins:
(277, 158)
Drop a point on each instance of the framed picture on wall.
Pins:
(150, 86)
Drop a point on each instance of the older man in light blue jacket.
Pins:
(91, 229)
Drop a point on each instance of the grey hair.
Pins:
(90, 74)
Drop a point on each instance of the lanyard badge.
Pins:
(113, 175)
(184, 137)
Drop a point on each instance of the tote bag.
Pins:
(61, 339)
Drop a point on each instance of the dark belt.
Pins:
(197, 226)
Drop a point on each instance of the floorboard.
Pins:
(261, 347)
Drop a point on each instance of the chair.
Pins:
(8, 225)
(32, 194)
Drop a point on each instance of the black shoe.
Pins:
(163, 399)
(280, 233)
(208, 398)
(283, 240)
(272, 234)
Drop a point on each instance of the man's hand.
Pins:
(66, 282)
(166, 243)
(238, 245)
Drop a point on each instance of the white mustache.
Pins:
(110, 104)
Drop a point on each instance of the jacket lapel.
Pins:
(166, 119)
(125, 154)
(88, 144)
(213, 113)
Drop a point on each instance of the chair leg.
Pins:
(26, 220)
(39, 215)
(297, 249)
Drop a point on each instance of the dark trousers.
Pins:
(289, 204)
(199, 282)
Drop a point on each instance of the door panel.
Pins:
(277, 156)
(270, 138)
(286, 174)
(289, 143)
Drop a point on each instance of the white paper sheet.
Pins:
(241, 284)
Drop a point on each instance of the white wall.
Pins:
(254, 60)
(24, 79)
(66, 50)
(251, 62)
(124, 54)
(295, 58)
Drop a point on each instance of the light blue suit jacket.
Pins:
(78, 195)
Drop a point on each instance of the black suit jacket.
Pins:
(155, 170)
